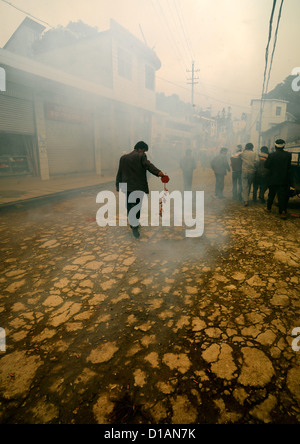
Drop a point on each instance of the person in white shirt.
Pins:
(249, 164)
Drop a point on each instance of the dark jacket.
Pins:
(262, 171)
(279, 165)
(220, 164)
(188, 165)
(133, 169)
(236, 162)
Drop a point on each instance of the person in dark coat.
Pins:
(279, 165)
(188, 165)
(220, 166)
(132, 171)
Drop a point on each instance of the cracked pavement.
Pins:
(104, 328)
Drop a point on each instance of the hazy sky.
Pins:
(225, 38)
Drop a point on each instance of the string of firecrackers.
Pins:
(165, 179)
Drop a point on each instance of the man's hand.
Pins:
(161, 174)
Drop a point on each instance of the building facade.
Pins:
(288, 131)
(75, 109)
(273, 112)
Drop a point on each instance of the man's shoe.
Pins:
(135, 232)
(267, 210)
(283, 215)
(246, 204)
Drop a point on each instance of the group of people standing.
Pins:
(248, 168)
(261, 171)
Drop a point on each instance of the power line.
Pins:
(242, 93)
(176, 27)
(174, 13)
(173, 83)
(170, 30)
(267, 47)
(27, 13)
(274, 44)
(173, 44)
(201, 94)
(226, 90)
(181, 21)
(265, 70)
(266, 81)
(192, 81)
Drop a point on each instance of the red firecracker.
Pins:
(165, 179)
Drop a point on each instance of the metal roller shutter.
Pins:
(70, 147)
(16, 115)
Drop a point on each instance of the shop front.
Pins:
(69, 134)
(17, 133)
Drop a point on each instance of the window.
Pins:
(149, 78)
(124, 64)
(278, 110)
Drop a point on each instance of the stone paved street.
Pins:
(104, 328)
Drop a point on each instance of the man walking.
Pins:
(132, 171)
(188, 164)
(279, 165)
(249, 163)
(220, 167)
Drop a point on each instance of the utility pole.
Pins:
(192, 81)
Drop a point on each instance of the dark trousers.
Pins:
(219, 185)
(261, 183)
(237, 185)
(187, 181)
(282, 192)
(129, 206)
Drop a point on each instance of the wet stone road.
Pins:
(103, 328)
